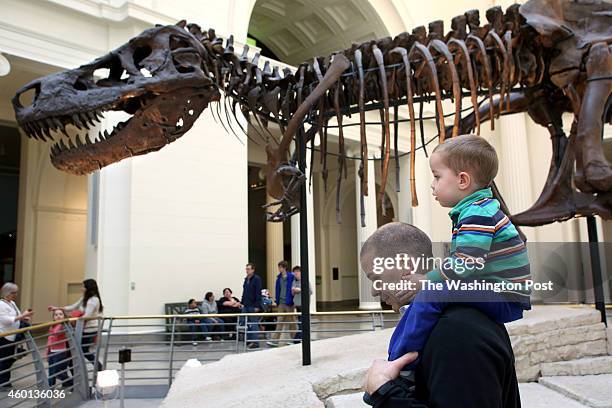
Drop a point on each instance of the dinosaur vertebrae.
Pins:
(421, 66)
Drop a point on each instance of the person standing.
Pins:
(89, 306)
(284, 300)
(296, 290)
(11, 318)
(58, 353)
(251, 301)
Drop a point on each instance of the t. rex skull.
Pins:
(160, 77)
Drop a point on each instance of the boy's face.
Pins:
(447, 186)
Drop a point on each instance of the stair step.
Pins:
(346, 401)
(581, 366)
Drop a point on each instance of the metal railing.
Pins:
(159, 344)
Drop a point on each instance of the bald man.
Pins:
(467, 360)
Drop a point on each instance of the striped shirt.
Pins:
(485, 246)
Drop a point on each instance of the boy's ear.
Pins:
(465, 180)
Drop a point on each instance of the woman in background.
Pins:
(11, 318)
(90, 305)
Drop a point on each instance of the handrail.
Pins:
(191, 316)
(158, 355)
(44, 325)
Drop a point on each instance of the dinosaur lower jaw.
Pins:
(138, 135)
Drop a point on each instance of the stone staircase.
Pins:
(549, 338)
(564, 348)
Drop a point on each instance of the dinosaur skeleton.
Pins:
(545, 58)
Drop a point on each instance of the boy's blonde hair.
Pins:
(472, 154)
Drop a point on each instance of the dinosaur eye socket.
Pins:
(140, 54)
(28, 96)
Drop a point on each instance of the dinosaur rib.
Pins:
(441, 47)
(486, 65)
(433, 80)
(410, 102)
(504, 76)
(362, 128)
(387, 137)
(467, 65)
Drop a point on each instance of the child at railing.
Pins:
(58, 352)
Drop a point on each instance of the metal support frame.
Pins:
(305, 281)
(596, 270)
(41, 375)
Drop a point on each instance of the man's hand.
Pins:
(382, 371)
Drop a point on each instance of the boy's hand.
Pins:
(404, 297)
(382, 371)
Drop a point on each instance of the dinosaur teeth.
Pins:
(92, 118)
(33, 130)
(79, 143)
(59, 125)
(47, 133)
(77, 122)
(50, 124)
(38, 131)
(62, 145)
(27, 128)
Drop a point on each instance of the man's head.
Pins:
(387, 242)
(461, 166)
(227, 292)
(297, 271)
(283, 266)
(250, 269)
(191, 303)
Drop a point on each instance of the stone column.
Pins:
(295, 239)
(274, 247)
(514, 165)
(366, 300)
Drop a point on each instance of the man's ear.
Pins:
(465, 180)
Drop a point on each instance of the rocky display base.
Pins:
(557, 341)
(551, 334)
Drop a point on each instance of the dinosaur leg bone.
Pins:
(560, 201)
(593, 172)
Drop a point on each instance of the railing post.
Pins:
(237, 335)
(108, 338)
(42, 381)
(246, 332)
(171, 365)
(97, 352)
(78, 332)
(79, 360)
